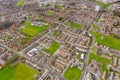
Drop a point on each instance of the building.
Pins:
(3, 63)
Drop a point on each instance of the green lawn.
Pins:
(18, 72)
(72, 74)
(75, 25)
(52, 48)
(95, 27)
(59, 7)
(101, 60)
(32, 31)
(103, 5)
(49, 12)
(96, 20)
(106, 40)
(56, 33)
(20, 3)
(1, 14)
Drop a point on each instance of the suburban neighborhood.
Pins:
(59, 40)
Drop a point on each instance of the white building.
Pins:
(97, 8)
(45, 2)
(32, 52)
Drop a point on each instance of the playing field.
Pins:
(32, 31)
(72, 74)
(18, 72)
(106, 40)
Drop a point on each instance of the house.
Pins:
(3, 63)
(1, 50)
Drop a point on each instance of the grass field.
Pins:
(56, 33)
(106, 40)
(72, 74)
(75, 25)
(18, 72)
(49, 12)
(32, 31)
(95, 27)
(52, 48)
(20, 3)
(101, 60)
(59, 7)
(103, 5)
(96, 20)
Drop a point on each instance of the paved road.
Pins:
(30, 59)
(43, 65)
(86, 60)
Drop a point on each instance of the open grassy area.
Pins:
(7, 73)
(49, 12)
(18, 72)
(95, 27)
(1, 14)
(106, 40)
(96, 20)
(59, 7)
(72, 74)
(101, 60)
(20, 3)
(75, 25)
(32, 31)
(52, 48)
(56, 33)
(103, 5)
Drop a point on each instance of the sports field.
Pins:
(107, 40)
(32, 31)
(18, 72)
(72, 74)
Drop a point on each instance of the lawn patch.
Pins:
(75, 25)
(52, 48)
(59, 7)
(72, 74)
(56, 33)
(107, 40)
(49, 13)
(7, 73)
(103, 61)
(31, 30)
(95, 27)
(103, 5)
(96, 20)
(20, 3)
(18, 72)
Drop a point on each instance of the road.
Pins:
(86, 59)
(43, 65)
(30, 59)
